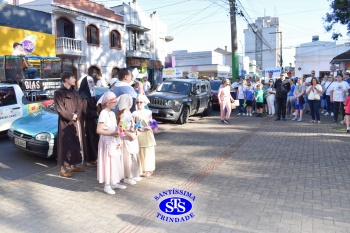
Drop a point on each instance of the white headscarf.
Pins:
(124, 101)
(106, 98)
(142, 98)
(92, 88)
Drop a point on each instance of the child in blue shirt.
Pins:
(248, 98)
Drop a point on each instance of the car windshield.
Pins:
(215, 85)
(175, 87)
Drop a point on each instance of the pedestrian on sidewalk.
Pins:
(130, 145)
(145, 138)
(347, 112)
(282, 87)
(225, 100)
(248, 98)
(88, 121)
(240, 94)
(314, 92)
(259, 99)
(69, 107)
(110, 168)
(299, 92)
(337, 96)
(270, 97)
(290, 98)
(329, 105)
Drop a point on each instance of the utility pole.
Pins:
(235, 73)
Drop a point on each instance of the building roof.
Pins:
(92, 7)
(341, 57)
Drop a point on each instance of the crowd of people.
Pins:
(112, 133)
(286, 95)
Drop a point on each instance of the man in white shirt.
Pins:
(146, 85)
(31, 72)
(101, 82)
(337, 95)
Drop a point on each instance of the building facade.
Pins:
(317, 55)
(263, 42)
(145, 41)
(88, 33)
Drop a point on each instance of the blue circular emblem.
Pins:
(175, 206)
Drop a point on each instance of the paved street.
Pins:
(255, 175)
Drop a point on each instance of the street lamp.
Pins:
(281, 60)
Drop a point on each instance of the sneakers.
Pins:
(295, 118)
(129, 181)
(348, 130)
(312, 121)
(342, 122)
(323, 111)
(300, 120)
(243, 114)
(108, 189)
(332, 114)
(226, 122)
(118, 186)
(247, 114)
(238, 114)
(137, 179)
(318, 122)
(222, 122)
(326, 114)
(250, 114)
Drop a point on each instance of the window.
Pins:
(203, 88)
(115, 40)
(65, 28)
(7, 96)
(93, 35)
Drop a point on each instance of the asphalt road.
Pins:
(15, 164)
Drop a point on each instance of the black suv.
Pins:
(177, 99)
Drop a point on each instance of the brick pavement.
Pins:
(256, 175)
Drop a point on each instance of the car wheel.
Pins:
(209, 109)
(183, 118)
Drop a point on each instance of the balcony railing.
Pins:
(138, 51)
(68, 46)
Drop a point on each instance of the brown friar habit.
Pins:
(68, 102)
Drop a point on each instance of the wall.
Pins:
(316, 56)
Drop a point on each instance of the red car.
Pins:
(215, 85)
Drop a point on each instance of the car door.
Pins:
(10, 107)
(203, 97)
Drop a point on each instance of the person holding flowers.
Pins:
(130, 145)
(110, 169)
(147, 142)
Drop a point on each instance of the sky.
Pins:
(204, 25)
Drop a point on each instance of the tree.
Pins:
(340, 15)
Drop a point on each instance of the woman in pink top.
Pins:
(225, 99)
(347, 111)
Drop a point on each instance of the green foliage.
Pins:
(340, 15)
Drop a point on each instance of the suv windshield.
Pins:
(175, 87)
(215, 85)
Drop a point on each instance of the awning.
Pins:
(341, 57)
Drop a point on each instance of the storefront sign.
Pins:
(41, 84)
(172, 73)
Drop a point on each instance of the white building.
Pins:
(146, 38)
(263, 42)
(204, 63)
(86, 32)
(317, 55)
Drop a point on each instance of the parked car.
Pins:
(37, 133)
(215, 85)
(177, 99)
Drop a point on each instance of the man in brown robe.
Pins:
(69, 107)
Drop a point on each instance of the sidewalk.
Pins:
(255, 175)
